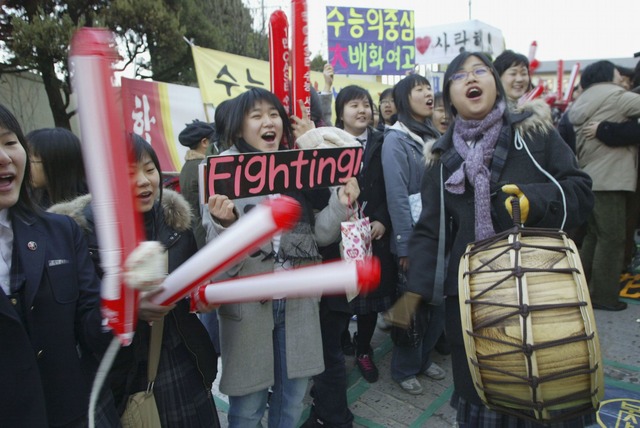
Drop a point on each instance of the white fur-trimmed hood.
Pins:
(176, 210)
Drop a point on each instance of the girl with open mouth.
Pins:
(478, 164)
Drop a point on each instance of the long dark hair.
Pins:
(61, 155)
(401, 94)
(349, 93)
(142, 147)
(242, 104)
(25, 204)
(455, 66)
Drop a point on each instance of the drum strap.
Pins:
(519, 143)
(438, 285)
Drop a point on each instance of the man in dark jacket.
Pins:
(197, 136)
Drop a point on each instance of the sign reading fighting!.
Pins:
(253, 174)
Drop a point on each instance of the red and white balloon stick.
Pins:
(107, 156)
(279, 56)
(300, 64)
(568, 94)
(337, 277)
(243, 237)
(532, 94)
(533, 62)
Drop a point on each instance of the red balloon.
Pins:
(533, 65)
(279, 57)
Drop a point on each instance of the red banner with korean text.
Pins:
(158, 112)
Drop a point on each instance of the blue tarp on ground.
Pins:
(620, 407)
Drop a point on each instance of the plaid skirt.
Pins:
(181, 395)
(363, 305)
(474, 416)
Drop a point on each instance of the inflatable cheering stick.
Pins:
(238, 241)
(300, 64)
(339, 277)
(279, 56)
(107, 156)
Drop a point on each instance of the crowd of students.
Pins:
(422, 151)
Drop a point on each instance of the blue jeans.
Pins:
(406, 361)
(285, 406)
(329, 389)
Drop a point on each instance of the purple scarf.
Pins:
(483, 136)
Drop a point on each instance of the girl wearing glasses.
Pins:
(479, 164)
(386, 110)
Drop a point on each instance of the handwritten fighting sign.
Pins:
(254, 174)
(370, 41)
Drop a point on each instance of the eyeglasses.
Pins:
(35, 161)
(386, 101)
(478, 72)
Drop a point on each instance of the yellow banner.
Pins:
(223, 75)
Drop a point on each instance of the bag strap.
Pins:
(438, 286)
(154, 352)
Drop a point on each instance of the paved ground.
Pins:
(385, 404)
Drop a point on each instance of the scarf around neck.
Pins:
(424, 130)
(483, 137)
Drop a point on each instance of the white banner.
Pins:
(440, 44)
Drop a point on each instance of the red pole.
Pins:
(300, 72)
(279, 57)
(560, 76)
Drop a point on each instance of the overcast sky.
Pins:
(563, 29)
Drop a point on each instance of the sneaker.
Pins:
(411, 385)
(382, 324)
(435, 372)
(367, 368)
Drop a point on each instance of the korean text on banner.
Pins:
(442, 43)
(370, 41)
(222, 76)
(158, 112)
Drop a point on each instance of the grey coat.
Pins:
(403, 167)
(246, 328)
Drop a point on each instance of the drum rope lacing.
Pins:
(524, 310)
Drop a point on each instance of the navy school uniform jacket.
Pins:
(47, 363)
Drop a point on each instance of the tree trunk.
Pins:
(54, 93)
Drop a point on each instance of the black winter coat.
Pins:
(373, 192)
(169, 224)
(509, 165)
(47, 362)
